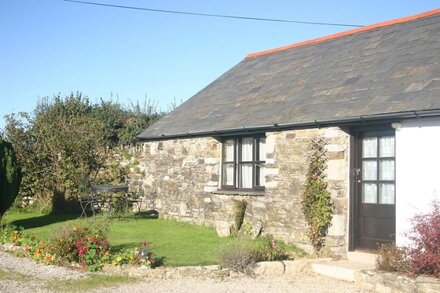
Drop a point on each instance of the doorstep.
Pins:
(345, 270)
(362, 257)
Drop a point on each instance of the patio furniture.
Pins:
(138, 198)
(109, 188)
(134, 198)
(109, 201)
(88, 202)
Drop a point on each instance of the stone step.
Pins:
(363, 257)
(342, 269)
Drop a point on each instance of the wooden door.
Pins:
(375, 216)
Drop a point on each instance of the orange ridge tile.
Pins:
(345, 33)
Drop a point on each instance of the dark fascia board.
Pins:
(348, 121)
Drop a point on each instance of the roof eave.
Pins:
(347, 121)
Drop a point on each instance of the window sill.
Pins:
(239, 192)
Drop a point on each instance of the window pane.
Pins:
(369, 170)
(228, 151)
(228, 174)
(386, 146)
(246, 149)
(260, 176)
(369, 147)
(262, 149)
(369, 193)
(386, 170)
(246, 175)
(386, 193)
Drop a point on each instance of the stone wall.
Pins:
(184, 173)
(385, 282)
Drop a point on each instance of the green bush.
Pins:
(66, 141)
(10, 176)
(271, 249)
(240, 210)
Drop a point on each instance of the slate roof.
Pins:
(376, 71)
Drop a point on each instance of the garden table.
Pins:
(97, 199)
(109, 188)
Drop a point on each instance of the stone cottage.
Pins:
(372, 94)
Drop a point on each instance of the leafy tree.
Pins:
(66, 141)
(122, 125)
(10, 176)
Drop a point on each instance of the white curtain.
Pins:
(386, 193)
(262, 147)
(386, 170)
(246, 156)
(246, 176)
(246, 149)
(369, 170)
(228, 174)
(229, 151)
(386, 146)
(369, 193)
(369, 147)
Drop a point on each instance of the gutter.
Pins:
(348, 121)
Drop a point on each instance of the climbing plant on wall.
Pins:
(316, 199)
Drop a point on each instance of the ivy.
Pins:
(316, 199)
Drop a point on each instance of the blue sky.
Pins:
(51, 46)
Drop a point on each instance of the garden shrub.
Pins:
(242, 257)
(66, 141)
(10, 176)
(391, 258)
(87, 246)
(240, 210)
(422, 256)
(239, 257)
(424, 253)
(271, 249)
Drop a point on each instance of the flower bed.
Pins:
(79, 245)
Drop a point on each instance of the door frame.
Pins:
(354, 206)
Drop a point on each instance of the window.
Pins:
(243, 162)
(378, 172)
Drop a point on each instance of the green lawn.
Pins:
(179, 243)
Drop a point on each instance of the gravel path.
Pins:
(27, 266)
(303, 283)
(30, 276)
